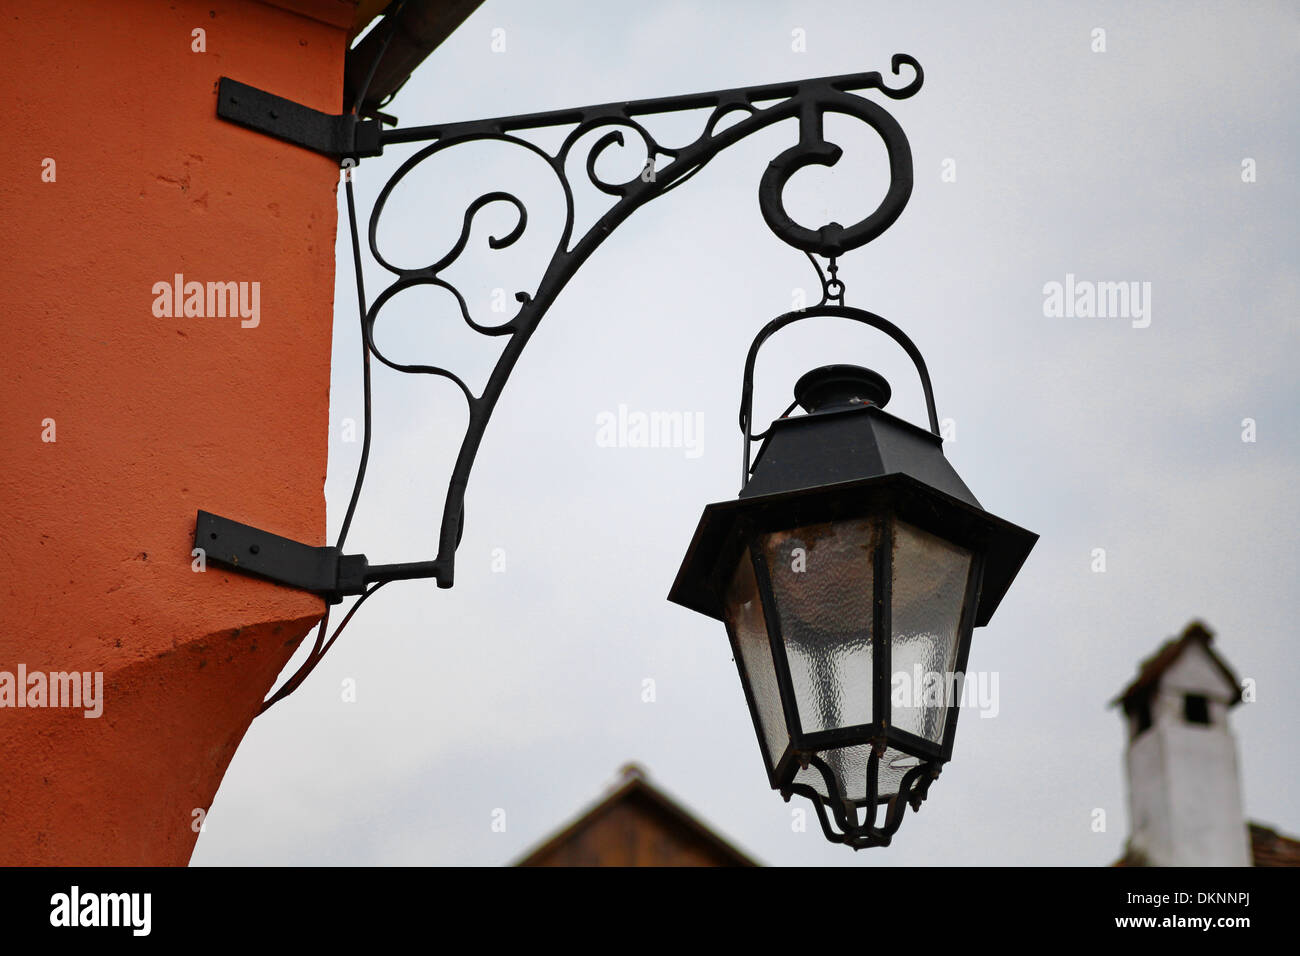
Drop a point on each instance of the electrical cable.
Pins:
(374, 66)
(320, 647)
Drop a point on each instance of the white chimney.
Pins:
(1184, 788)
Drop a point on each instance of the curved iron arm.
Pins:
(327, 571)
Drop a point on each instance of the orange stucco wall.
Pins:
(154, 417)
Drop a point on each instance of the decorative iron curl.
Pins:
(807, 100)
(861, 834)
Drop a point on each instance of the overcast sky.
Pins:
(521, 690)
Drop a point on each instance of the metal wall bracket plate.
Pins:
(340, 137)
(322, 570)
(249, 550)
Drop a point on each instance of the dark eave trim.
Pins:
(417, 32)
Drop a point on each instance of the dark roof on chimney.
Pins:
(1154, 667)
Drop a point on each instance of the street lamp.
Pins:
(854, 552)
(850, 572)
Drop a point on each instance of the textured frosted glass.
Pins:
(894, 765)
(822, 582)
(745, 615)
(929, 588)
(849, 766)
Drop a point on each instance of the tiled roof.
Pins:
(633, 787)
(1270, 848)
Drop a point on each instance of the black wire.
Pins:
(361, 302)
(391, 96)
(289, 686)
(365, 367)
(763, 434)
(309, 665)
(365, 87)
(320, 647)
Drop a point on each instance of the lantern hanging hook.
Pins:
(833, 288)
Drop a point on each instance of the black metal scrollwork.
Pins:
(329, 572)
(808, 100)
(860, 834)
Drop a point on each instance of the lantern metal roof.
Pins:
(828, 463)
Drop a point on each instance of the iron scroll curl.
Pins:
(833, 239)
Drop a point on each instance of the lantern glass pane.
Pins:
(849, 767)
(822, 584)
(928, 593)
(754, 655)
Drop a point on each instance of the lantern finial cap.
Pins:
(833, 386)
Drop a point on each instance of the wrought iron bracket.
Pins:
(348, 138)
(325, 570)
(250, 550)
(340, 137)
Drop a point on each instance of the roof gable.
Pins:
(1187, 660)
(636, 824)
